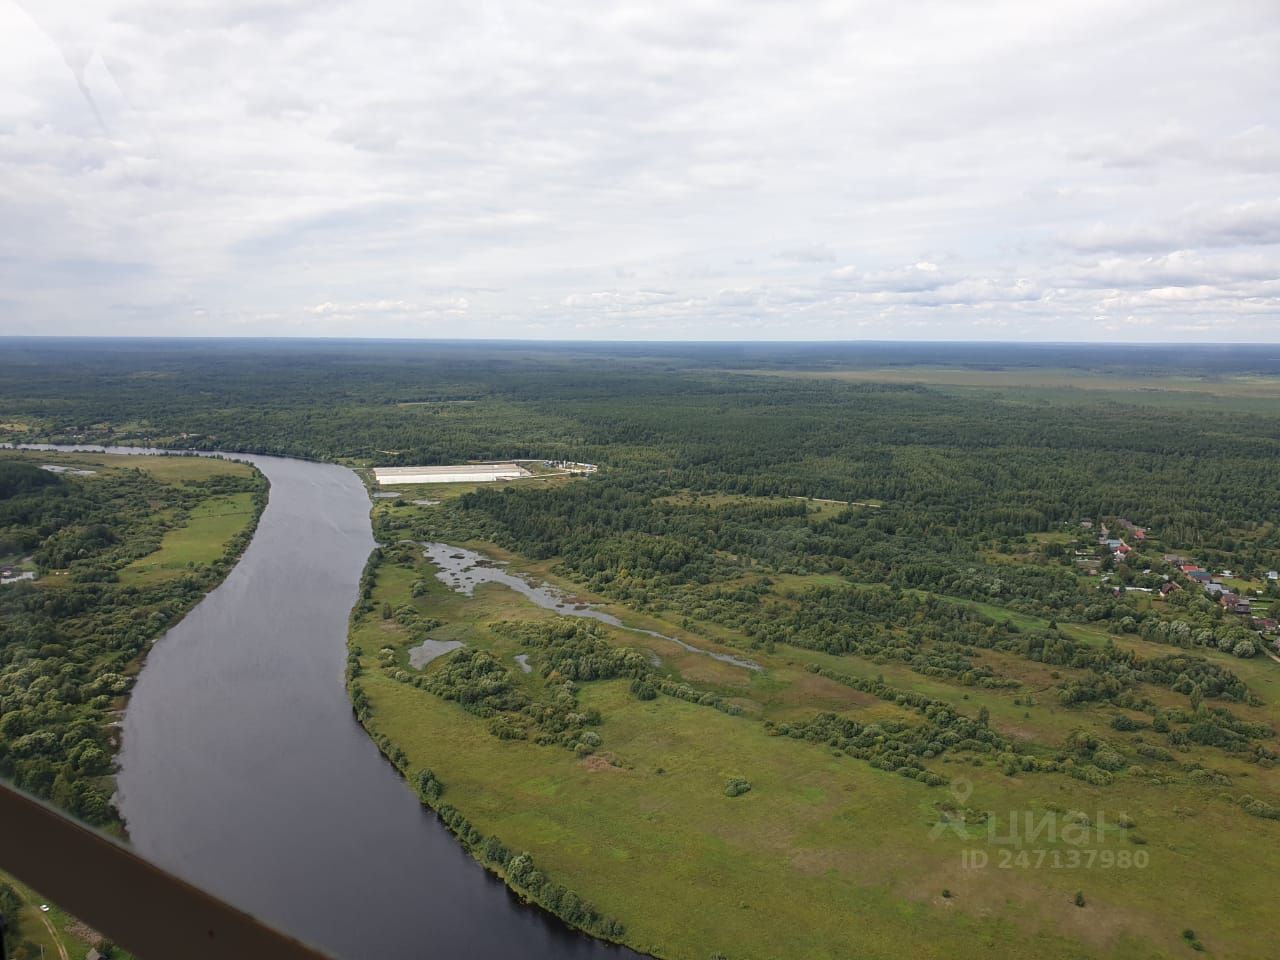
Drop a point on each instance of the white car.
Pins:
(44, 908)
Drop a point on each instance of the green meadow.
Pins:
(202, 538)
(826, 856)
(195, 533)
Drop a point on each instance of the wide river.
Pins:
(244, 771)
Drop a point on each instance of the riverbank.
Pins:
(126, 548)
(822, 855)
(244, 772)
(514, 868)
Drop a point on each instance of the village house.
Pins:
(1139, 533)
(1235, 604)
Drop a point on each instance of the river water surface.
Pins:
(463, 570)
(244, 771)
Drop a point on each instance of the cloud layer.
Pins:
(708, 170)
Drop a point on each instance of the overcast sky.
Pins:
(1032, 169)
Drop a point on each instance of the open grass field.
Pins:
(826, 856)
(202, 538)
(819, 507)
(196, 536)
(1233, 386)
(164, 469)
(1243, 394)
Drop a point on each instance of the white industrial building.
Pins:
(455, 473)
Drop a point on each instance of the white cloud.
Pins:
(816, 253)
(691, 169)
(1252, 223)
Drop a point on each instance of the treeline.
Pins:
(627, 538)
(518, 870)
(947, 465)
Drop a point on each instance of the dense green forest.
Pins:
(73, 637)
(946, 463)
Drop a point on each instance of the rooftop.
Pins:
(452, 473)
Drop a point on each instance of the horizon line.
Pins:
(165, 338)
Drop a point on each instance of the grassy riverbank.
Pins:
(122, 547)
(825, 856)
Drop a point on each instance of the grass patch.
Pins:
(824, 856)
(202, 539)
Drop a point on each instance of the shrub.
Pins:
(1091, 774)
(1260, 808)
(1108, 759)
(736, 787)
(429, 788)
